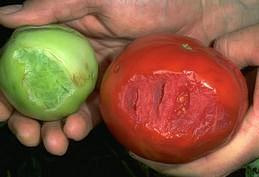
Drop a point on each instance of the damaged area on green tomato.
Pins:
(45, 79)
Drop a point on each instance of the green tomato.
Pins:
(47, 72)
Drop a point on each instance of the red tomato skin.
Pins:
(140, 106)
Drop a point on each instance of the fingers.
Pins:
(29, 132)
(10, 9)
(25, 129)
(241, 46)
(79, 125)
(31, 12)
(39, 12)
(54, 138)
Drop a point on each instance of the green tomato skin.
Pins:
(47, 72)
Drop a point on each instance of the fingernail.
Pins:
(5, 10)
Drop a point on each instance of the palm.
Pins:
(112, 24)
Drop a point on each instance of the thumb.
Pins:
(241, 46)
(10, 9)
(40, 12)
(30, 13)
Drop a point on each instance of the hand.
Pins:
(244, 147)
(111, 25)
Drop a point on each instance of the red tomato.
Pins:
(168, 98)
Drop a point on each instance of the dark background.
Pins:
(98, 155)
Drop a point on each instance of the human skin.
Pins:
(110, 26)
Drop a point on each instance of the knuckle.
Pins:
(223, 46)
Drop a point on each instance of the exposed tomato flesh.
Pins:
(174, 104)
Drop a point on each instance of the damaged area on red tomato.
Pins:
(173, 104)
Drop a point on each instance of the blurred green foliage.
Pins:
(252, 169)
